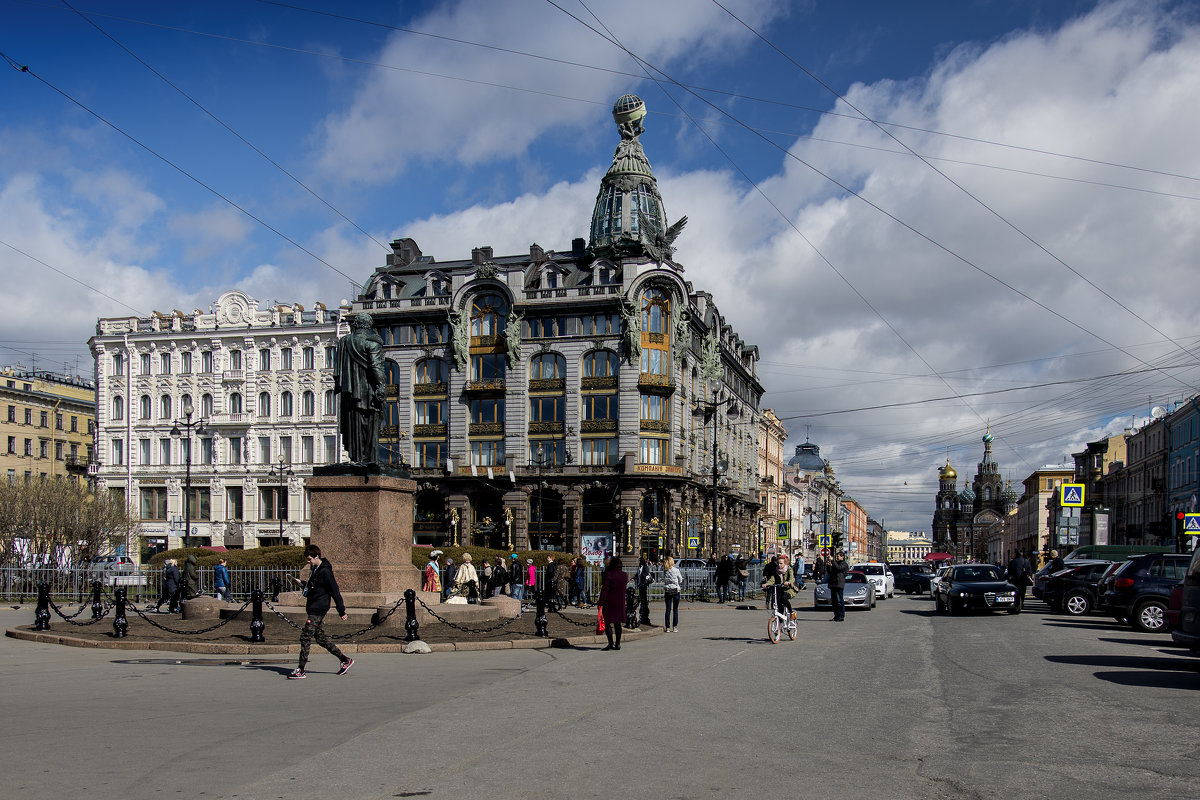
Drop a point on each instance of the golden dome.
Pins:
(947, 472)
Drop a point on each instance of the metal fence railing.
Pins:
(19, 584)
(699, 583)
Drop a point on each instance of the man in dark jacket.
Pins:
(1020, 575)
(319, 589)
(723, 574)
(837, 570)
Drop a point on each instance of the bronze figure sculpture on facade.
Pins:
(360, 383)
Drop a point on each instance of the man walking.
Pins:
(836, 570)
(1020, 575)
(318, 590)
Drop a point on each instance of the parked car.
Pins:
(976, 586)
(104, 566)
(859, 592)
(881, 576)
(935, 580)
(911, 578)
(1187, 634)
(1075, 589)
(1138, 590)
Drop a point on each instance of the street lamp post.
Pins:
(283, 475)
(188, 410)
(708, 409)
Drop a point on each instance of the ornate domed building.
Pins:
(961, 518)
(546, 399)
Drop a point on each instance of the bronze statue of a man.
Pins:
(359, 380)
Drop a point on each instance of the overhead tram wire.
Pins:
(558, 96)
(69, 277)
(86, 18)
(736, 95)
(1019, 231)
(25, 69)
(787, 153)
(647, 66)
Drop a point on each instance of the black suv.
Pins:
(1188, 633)
(1075, 588)
(911, 577)
(1138, 590)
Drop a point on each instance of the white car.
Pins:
(879, 575)
(935, 580)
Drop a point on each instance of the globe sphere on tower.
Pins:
(629, 108)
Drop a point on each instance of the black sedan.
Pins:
(969, 586)
(911, 578)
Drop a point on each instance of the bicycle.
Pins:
(779, 621)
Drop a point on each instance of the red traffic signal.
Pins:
(1179, 515)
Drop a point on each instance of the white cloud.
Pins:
(396, 117)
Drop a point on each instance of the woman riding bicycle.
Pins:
(780, 575)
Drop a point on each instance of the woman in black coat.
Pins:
(612, 601)
(170, 587)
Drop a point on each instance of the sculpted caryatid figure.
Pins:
(359, 380)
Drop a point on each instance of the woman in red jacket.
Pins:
(612, 601)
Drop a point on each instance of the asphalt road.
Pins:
(893, 704)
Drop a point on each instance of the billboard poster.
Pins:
(1100, 527)
(596, 546)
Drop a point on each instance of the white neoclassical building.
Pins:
(236, 402)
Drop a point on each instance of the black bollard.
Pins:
(97, 603)
(412, 628)
(41, 616)
(120, 623)
(276, 585)
(644, 605)
(257, 626)
(539, 621)
(631, 619)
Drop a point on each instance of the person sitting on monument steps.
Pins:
(466, 581)
(320, 587)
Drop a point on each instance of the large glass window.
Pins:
(431, 370)
(285, 404)
(488, 367)
(430, 454)
(264, 404)
(547, 366)
(235, 403)
(165, 363)
(431, 412)
(308, 358)
(601, 406)
(308, 404)
(206, 361)
(488, 313)
(118, 409)
(547, 409)
(206, 405)
(656, 408)
(600, 364)
(144, 405)
(285, 358)
(235, 359)
(164, 407)
(185, 363)
(655, 311)
(598, 452)
(154, 502)
(233, 503)
(547, 452)
(487, 453)
(264, 359)
(487, 409)
(655, 361)
(653, 451)
(199, 505)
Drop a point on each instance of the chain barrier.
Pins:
(71, 619)
(588, 624)
(464, 629)
(178, 632)
(340, 636)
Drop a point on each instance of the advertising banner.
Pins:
(596, 546)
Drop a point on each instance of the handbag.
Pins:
(599, 620)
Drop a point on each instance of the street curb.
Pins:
(221, 648)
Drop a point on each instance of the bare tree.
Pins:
(59, 523)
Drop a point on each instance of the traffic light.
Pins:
(1179, 535)
(837, 541)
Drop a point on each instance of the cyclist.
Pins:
(780, 575)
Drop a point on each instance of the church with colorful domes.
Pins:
(961, 519)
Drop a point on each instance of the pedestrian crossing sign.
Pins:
(1072, 495)
(783, 530)
(1191, 524)
(825, 540)
(693, 542)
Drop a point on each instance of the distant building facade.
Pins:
(907, 547)
(47, 426)
(259, 386)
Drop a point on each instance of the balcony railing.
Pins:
(549, 426)
(495, 386)
(547, 385)
(655, 426)
(486, 429)
(427, 389)
(233, 375)
(422, 431)
(240, 419)
(603, 382)
(598, 426)
(657, 384)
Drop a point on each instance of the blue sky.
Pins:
(1055, 241)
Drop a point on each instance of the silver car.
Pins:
(859, 593)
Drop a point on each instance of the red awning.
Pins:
(939, 557)
(215, 548)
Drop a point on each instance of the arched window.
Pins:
(118, 408)
(431, 370)
(600, 364)
(164, 407)
(145, 406)
(184, 402)
(488, 314)
(655, 311)
(235, 403)
(308, 404)
(206, 405)
(328, 407)
(547, 366)
(285, 404)
(264, 404)
(235, 359)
